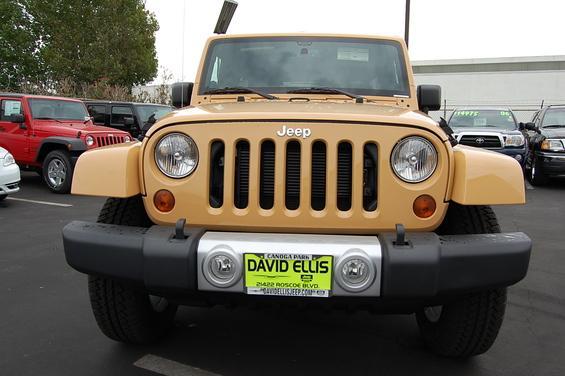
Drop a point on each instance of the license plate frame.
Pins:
(314, 277)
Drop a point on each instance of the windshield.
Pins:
(554, 117)
(483, 119)
(57, 109)
(145, 112)
(279, 65)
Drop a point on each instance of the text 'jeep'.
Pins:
(304, 170)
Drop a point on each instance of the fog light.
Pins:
(164, 201)
(222, 267)
(424, 206)
(518, 157)
(354, 271)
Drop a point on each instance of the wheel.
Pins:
(58, 171)
(467, 325)
(123, 312)
(536, 175)
(2, 197)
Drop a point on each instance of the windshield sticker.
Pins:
(480, 122)
(467, 113)
(505, 113)
(12, 108)
(353, 54)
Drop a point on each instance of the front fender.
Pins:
(111, 171)
(483, 177)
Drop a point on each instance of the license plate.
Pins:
(288, 274)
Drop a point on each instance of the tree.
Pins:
(19, 58)
(81, 41)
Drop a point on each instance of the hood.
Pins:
(300, 111)
(485, 130)
(73, 126)
(553, 132)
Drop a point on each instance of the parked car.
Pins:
(546, 157)
(495, 129)
(48, 134)
(319, 182)
(9, 174)
(135, 118)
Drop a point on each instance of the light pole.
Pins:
(407, 22)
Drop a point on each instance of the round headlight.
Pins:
(176, 155)
(9, 160)
(89, 140)
(127, 138)
(414, 159)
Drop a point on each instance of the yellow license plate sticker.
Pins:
(288, 274)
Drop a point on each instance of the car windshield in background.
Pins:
(482, 119)
(58, 109)
(145, 112)
(554, 117)
(279, 65)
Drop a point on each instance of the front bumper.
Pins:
(429, 266)
(9, 179)
(518, 154)
(552, 164)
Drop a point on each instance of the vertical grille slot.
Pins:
(241, 179)
(292, 192)
(344, 169)
(216, 194)
(370, 177)
(267, 175)
(318, 186)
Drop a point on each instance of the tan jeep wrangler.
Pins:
(303, 170)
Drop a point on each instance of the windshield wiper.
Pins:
(325, 90)
(554, 126)
(48, 118)
(242, 90)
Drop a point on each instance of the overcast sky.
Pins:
(439, 29)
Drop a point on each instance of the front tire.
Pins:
(469, 324)
(58, 171)
(123, 312)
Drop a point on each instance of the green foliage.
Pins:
(86, 42)
(19, 58)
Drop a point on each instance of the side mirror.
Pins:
(530, 127)
(181, 93)
(17, 118)
(429, 98)
(521, 126)
(129, 121)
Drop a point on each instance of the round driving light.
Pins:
(164, 201)
(414, 159)
(176, 155)
(424, 206)
(354, 271)
(89, 140)
(222, 267)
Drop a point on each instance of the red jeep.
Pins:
(48, 134)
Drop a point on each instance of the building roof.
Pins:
(499, 64)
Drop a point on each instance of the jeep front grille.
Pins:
(307, 177)
(481, 141)
(109, 140)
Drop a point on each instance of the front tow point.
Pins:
(400, 236)
(179, 229)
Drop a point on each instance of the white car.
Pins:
(9, 174)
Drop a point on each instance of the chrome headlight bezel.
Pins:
(9, 160)
(89, 140)
(191, 148)
(433, 159)
(514, 140)
(553, 144)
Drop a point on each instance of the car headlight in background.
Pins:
(514, 140)
(9, 160)
(553, 145)
(176, 155)
(89, 140)
(414, 159)
(127, 138)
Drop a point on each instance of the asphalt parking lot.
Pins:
(47, 328)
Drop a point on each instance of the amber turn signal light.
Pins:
(164, 200)
(424, 206)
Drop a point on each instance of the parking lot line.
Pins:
(168, 367)
(39, 202)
